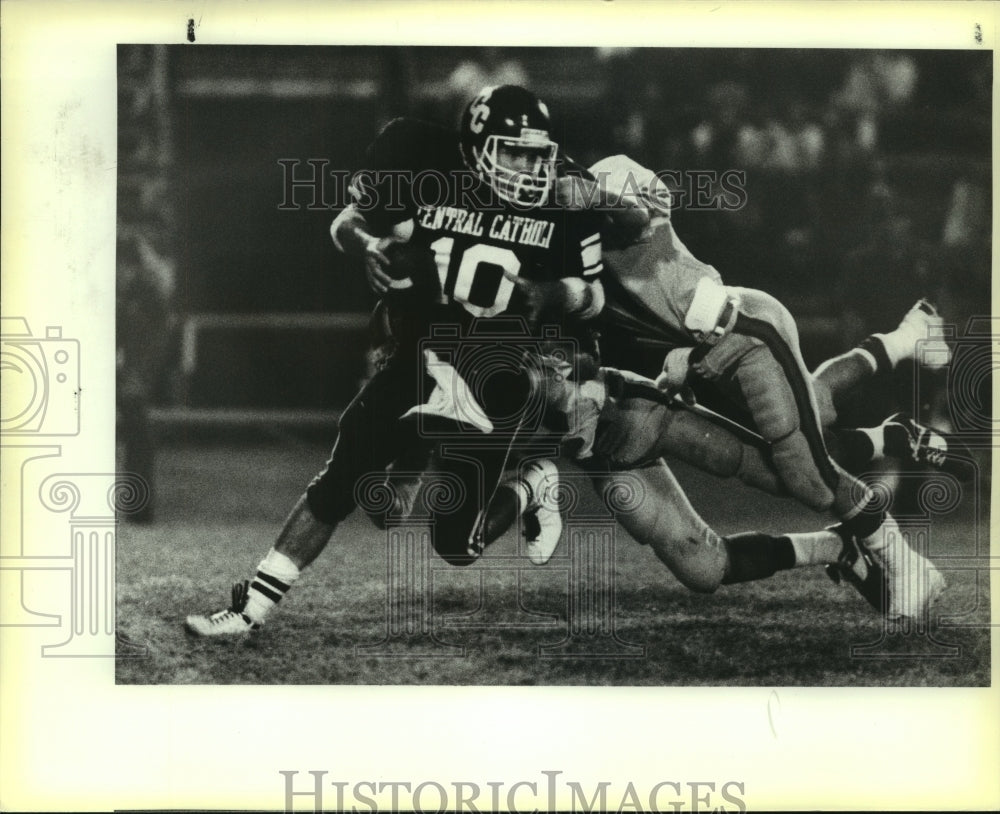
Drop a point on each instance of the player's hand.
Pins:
(574, 192)
(676, 368)
(568, 296)
(540, 297)
(376, 262)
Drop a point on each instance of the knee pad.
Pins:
(667, 523)
(769, 394)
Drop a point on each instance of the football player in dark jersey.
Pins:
(627, 422)
(477, 208)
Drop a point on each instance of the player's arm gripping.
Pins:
(353, 235)
(367, 227)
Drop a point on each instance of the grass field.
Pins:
(220, 505)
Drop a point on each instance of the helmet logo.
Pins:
(479, 113)
(504, 139)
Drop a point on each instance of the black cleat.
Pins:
(904, 438)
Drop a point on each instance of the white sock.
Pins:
(877, 436)
(899, 344)
(868, 357)
(816, 548)
(275, 575)
(883, 535)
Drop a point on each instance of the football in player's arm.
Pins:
(630, 424)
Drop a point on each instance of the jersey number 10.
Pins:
(479, 282)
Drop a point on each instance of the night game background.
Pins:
(242, 333)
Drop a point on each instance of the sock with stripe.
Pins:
(275, 575)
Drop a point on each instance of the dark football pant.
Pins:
(372, 435)
(369, 437)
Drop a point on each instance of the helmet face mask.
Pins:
(520, 172)
(505, 140)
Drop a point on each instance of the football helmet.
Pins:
(505, 141)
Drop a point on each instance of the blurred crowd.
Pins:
(867, 173)
(146, 311)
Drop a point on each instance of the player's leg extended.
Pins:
(454, 526)
(771, 376)
(759, 363)
(918, 337)
(699, 557)
(365, 442)
(711, 447)
(635, 429)
(666, 521)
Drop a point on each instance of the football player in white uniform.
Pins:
(745, 342)
(623, 421)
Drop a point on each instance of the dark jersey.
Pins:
(417, 184)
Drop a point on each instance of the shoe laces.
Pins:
(923, 447)
(223, 616)
(935, 456)
(239, 594)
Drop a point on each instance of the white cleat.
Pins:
(925, 327)
(894, 579)
(914, 583)
(542, 521)
(229, 623)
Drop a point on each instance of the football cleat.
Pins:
(541, 518)
(895, 580)
(914, 582)
(231, 622)
(904, 438)
(925, 326)
(858, 567)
